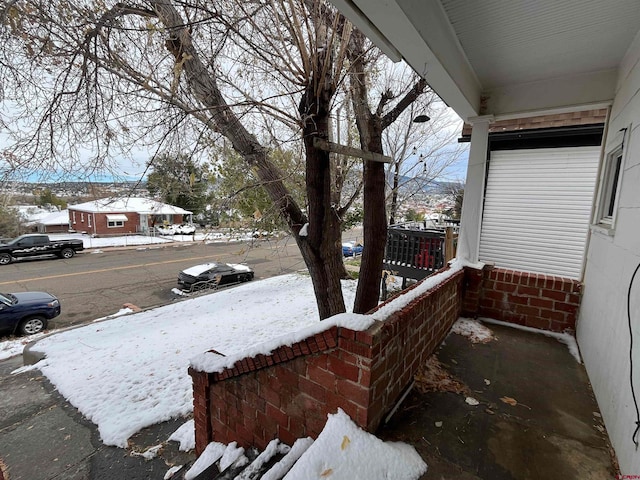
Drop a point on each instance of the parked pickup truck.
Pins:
(33, 245)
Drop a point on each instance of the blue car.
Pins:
(27, 313)
(351, 249)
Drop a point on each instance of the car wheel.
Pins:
(67, 253)
(5, 259)
(32, 325)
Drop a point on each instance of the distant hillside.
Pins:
(432, 187)
(76, 191)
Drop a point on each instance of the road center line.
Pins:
(128, 267)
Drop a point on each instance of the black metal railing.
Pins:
(414, 253)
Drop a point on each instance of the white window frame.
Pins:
(89, 220)
(81, 217)
(611, 182)
(73, 214)
(115, 223)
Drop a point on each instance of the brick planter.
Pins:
(288, 394)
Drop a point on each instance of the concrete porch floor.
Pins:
(553, 432)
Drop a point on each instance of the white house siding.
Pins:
(602, 328)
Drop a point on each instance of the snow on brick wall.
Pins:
(534, 300)
(288, 394)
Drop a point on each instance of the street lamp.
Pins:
(421, 119)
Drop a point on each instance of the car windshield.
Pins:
(7, 298)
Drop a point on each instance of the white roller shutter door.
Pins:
(537, 209)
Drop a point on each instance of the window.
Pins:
(116, 220)
(611, 186)
(74, 217)
(610, 182)
(89, 220)
(82, 218)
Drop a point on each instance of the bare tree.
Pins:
(87, 82)
(153, 72)
(371, 123)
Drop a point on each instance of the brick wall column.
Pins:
(201, 409)
(472, 289)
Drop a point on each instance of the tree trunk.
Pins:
(324, 228)
(324, 234)
(394, 194)
(370, 126)
(319, 248)
(375, 226)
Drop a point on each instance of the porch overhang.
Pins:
(506, 59)
(430, 47)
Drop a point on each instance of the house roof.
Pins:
(129, 204)
(507, 58)
(56, 218)
(34, 213)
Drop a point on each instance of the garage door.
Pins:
(537, 209)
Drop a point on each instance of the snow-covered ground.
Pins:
(131, 372)
(15, 346)
(134, 240)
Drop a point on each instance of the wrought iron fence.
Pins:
(412, 252)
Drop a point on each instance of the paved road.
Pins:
(97, 283)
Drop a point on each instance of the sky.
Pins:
(133, 167)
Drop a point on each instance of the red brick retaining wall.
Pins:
(289, 393)
(534, 300)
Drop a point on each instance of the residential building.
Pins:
(123, 215)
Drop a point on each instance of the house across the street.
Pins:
(123, 215)
(56, 222)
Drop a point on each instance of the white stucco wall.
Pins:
(602, 330)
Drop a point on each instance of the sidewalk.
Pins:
(42, 437)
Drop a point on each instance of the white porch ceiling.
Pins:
(511, 55)
(510, 42)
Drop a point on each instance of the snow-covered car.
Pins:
(351, 249)
(165, 229)
(27, 313)
(211, 275)
(182, 229)
(185, 229)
